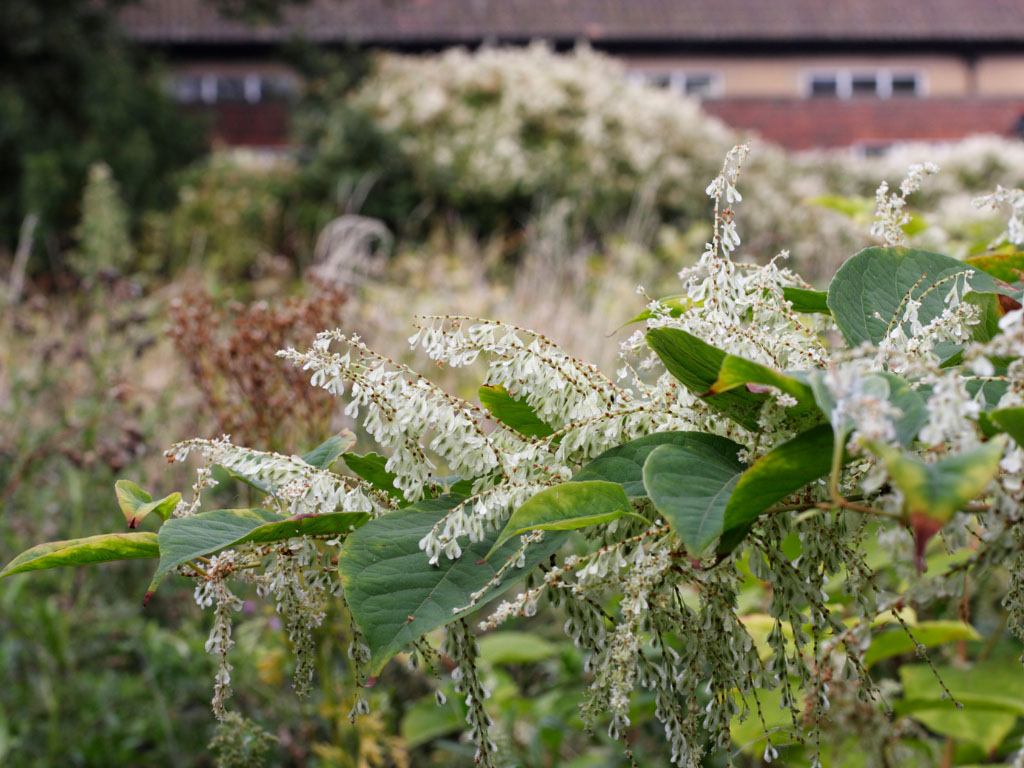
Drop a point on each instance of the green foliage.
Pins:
(871, 290)
(72, 94)
(697, 364)
(512, 412)
(396, 595)
(565, 508)
(135, 503)
(186, 538)
(104, 548)
(691, 488)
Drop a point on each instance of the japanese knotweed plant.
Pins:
(760, 438)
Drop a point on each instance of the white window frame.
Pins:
(844, 81)
(252, 87)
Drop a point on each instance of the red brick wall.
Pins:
(804, 124)
(264, 124)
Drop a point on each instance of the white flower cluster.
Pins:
(503, 122)
(213, 590)
(461, 647)
(1015, 199)
(300, 587)
(292, 485)
(402, 409)
(890, 213)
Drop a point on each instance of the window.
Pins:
(904, 84)
(824, 86)
(873, 84)
(699, 84)
(864, 85)
(250, 88)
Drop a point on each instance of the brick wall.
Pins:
(805, 124)
(264, 124)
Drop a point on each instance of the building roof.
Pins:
(676, 22)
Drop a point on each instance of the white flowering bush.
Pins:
(746, 523)
(500, 132)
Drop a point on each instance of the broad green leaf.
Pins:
(566, 507)
(782, 471)
(513, 412)
(1008, 267)
(396, 595)
(325, 454)
(933, 492)
(135, 503)
(104, 548)
(739, 372)
(1010, 421)
(373, 469)
(185, 538)
(976, 724)
(425, 721)
(624, 463)
(895, 642)
(696, 364)
(691, 488)
(807, 301)
(992, 684)
(870, 287)
(510, 647)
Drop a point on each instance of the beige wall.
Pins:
(787, 76)
(1000, 75)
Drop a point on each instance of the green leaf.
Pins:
(372, 469)
(185, 538)
(738, 372)
(424, 721)
(511, 647)
(675, 305)
(566, 507)
(696, 364)
(1010, 421)
(995, 685)
(325, 454)
(782, 471)
(870, 287)
(807, 301)
(513, 412)
(895, 642)
(135, 503)
(933, 492)
(976, 724)
(396, 595)
(691, 488)
(1008, 267)
(989, 691)
(624, 464)
(104, 548)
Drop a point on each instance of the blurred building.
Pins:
(803, 73)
